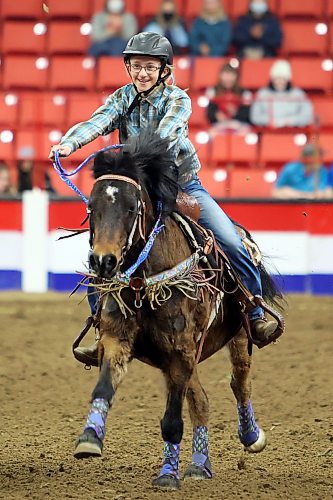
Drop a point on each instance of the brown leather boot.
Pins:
(263, 331)
(87, 355)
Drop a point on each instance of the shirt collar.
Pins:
(154, 97)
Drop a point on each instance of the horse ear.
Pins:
(102, 164)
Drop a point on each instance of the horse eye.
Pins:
(131, 210)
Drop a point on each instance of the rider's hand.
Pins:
(63, 151)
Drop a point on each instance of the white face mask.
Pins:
(258, 7)
(115, 6)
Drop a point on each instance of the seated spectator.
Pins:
(281, 104)
(211, 31)
(229, 104)
(258, 33)
(5, 183)
(167, 23)
(24, 175)
(111, 29)
(306, 178)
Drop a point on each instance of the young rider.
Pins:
(148, 100)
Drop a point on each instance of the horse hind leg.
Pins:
(198, 405)
(114, 367)
(250, 434)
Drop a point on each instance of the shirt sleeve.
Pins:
(174, 122)
(103, 121)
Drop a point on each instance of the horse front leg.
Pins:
(251, 436)
(116, 356)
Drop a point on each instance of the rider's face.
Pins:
(144, 71)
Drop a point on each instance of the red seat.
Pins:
(249, 183)
(215, 181)
(221, 149)
(65, 38)
(301, 8)
(80, 107)
(59, 185)
(244, 148)
(329, 8)
(37, 141)
(278, 148)
(75, 73)
(28, 9)
(202, 149)
(255, 74)
(193, 9)
(22, 72)
(47, 109)
(323, 108)
(198, 117)
(300, 37)
(182, 71)
(19, 37)
(325, 141)
(83, 153)
(69, 9)
(310, 75)
(8, 109)
(7, 151)
(111, 73)
(206, 71)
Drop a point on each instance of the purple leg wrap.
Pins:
(248, 430)
(97, 417)
(200, 453)
(171, 460)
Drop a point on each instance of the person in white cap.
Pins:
(280, 104)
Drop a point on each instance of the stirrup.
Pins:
(90, 321)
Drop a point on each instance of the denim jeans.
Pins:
(214, 218)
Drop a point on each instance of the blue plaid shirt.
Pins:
(168, 108)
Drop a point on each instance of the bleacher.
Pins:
(47, 83)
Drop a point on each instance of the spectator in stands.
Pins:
(258, 33)
(305, 178)
(330, 181)
(5, 182)
(168, 23)
(211, 31)
(111, 29)
(24, 175)
(229, 104)
(281, 104)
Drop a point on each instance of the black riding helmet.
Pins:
(149, 44)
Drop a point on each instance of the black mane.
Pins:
(146, 159)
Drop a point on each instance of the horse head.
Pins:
(123, 202)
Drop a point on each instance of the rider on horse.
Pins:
(149, 101)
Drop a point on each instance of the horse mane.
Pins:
(147, 159)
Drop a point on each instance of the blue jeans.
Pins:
(214, 218)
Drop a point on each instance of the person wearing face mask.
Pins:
(211, 31)
(280, 104)
(111, 29)
(167, 23)
(258, 33)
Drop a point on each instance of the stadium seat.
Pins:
(7, 151)
(182, 71)
(323, 108)
(249, 183)
(198, 117)
(300, 37)
(203, 150)
(80, 106)
(329, 8)
(111, 73)
(65, 38)
(310, 75)
(192, 9)
(36, 140)
(74, 73)
(221, 149)
(19, 37)
(69, 9)
(301, 8)
(326, 143)
(255, 74)
(243, 148)
(59, 185)
(47, 109)
(27, 9)
(206, 71)
(214, 181)
(22, 72)
(278, 148)
(8, 110)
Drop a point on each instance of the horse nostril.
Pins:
(110, 262)
(94, 262)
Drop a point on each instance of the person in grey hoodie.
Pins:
(281, 104)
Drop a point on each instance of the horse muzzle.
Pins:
(105, 266)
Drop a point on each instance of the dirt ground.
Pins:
(44, 396)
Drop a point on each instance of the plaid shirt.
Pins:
(168, 108)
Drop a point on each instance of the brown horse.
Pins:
(159, 316)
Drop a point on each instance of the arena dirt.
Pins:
(44, 396)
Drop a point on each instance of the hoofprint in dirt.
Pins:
(43, 396)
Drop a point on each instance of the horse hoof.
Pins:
(258, 445)
(88, 445)
(167, 481)
(196, 472)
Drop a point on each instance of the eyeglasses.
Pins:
(149, 69)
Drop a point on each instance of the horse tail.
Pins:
(270, 290)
